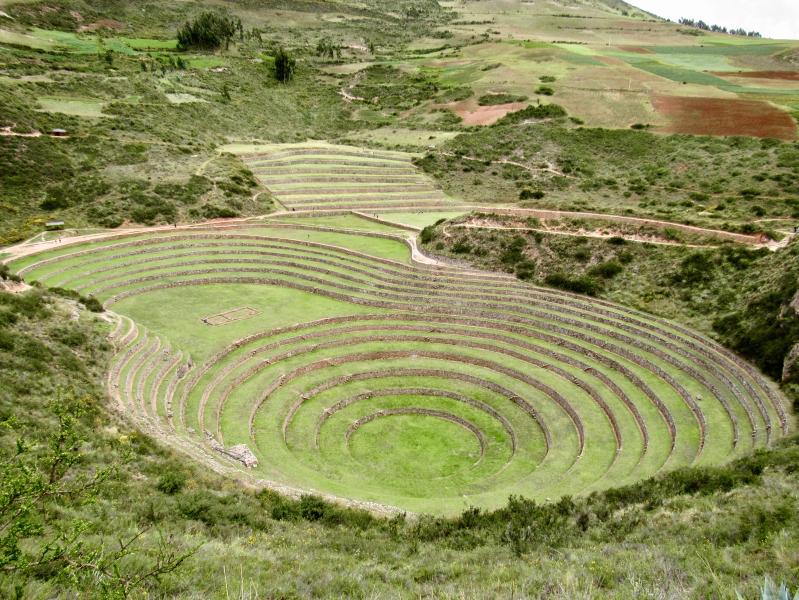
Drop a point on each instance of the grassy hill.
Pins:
(143, 118)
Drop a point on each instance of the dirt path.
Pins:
(29, 247)
(741, 238)
(419, 257)
(590, 234)
(550, 168)
(7, 132)
(346, 92)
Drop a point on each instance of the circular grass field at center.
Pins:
(367, 378)
(407, 452)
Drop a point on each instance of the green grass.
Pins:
(150, 44)
(349, 221)
(427, 448)
(24, 39)
(79, 107)
(418, 219)
(178, 318)
(392, 137)
(206, 62)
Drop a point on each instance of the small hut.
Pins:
(58, 133)
(54, 225)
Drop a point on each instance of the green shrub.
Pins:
(582, 254)
(532, 112)
(606, 270)
(525, 270)
(461, 247)
(171, 482)
(514, 251)
(694, 269)
(495, 99)
(92, 304)
(285, 65)
(527, 194)
(579, 285)
(428, 234)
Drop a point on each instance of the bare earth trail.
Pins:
(591, 234)
(28, 247)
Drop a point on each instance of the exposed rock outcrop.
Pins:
(790, 369)
(239, 452)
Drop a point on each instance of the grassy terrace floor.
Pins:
(320, 176)
(359, 374)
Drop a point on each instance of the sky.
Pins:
(773, 18)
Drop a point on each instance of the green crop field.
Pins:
(352, 351)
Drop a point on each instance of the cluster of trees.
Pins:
(209, 31)
(213, 30)
(326, 47)
(700, 24)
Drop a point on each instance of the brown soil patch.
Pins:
(103, 24)
(636, 49)
(482, 115)
(610, 61)
(723, 116)
(779, 75)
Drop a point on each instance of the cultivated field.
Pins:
(610, 66)
(361, 375)
(324, 177)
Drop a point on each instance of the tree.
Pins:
(325, 47)
(285, 65)
(208, 31)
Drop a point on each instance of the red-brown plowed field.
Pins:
(636, 49)
(780, 75)
(723, 116)
(482, 115)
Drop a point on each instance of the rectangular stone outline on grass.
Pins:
(230, 316)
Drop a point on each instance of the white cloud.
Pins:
(773, 18)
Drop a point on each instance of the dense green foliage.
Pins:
(285, 65)
(766, 327)
(208, 31)
(494, 99)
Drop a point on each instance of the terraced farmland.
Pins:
(325, 177)
(360, 375)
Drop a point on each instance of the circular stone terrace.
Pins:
(330, 362)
